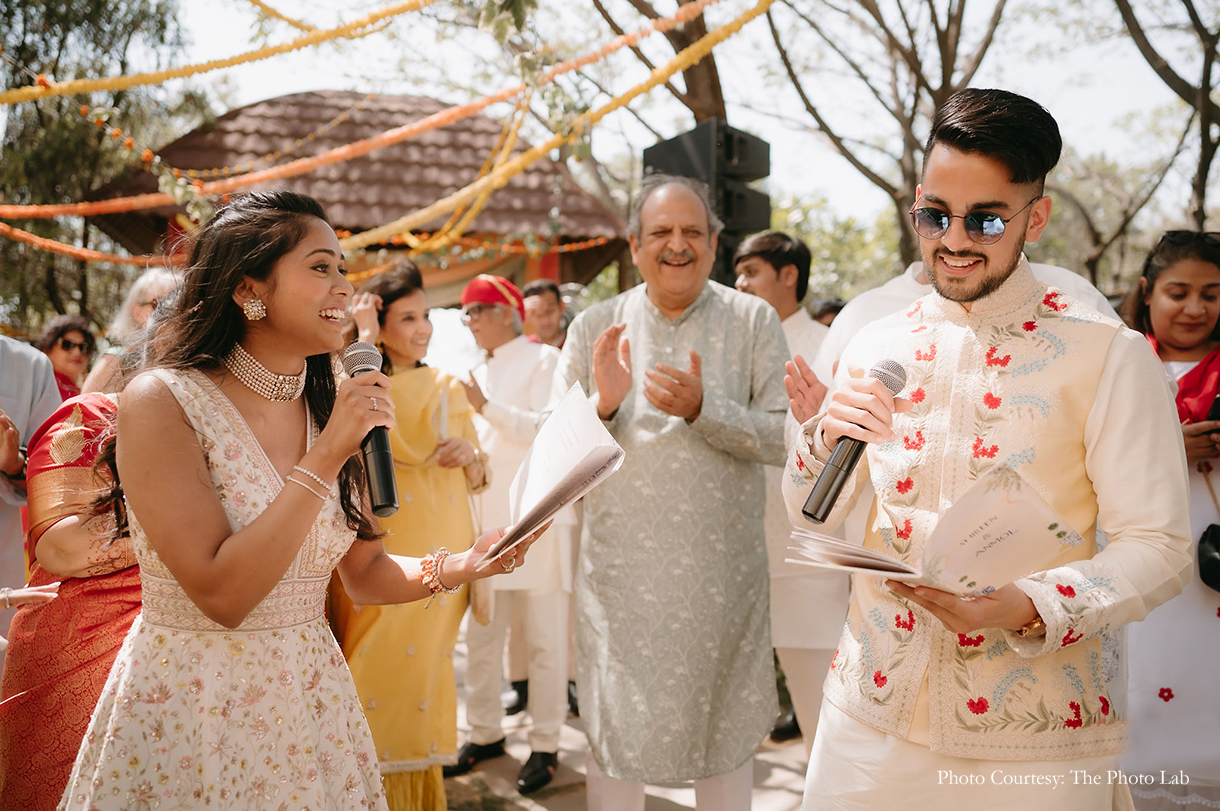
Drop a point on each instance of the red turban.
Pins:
(487, 289)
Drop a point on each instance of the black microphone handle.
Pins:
(379, 465)
(833, 478)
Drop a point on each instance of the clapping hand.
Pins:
(674, 391)
(611, 370)
(805, 391)
(10, 447)
(364, 309)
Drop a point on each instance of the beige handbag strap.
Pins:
(1207, 479)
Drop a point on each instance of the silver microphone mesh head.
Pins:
(362, 356)
(889, 372)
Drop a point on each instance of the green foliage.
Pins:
(50, 153)
(603, 287)
(849, 257)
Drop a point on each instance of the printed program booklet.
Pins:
(999, 531)
(572, 453)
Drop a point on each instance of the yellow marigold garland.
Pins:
(270, 12)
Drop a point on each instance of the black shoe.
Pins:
(573, 707)
(516, 705)
(472, 753)
(786, 728)
(537, 771)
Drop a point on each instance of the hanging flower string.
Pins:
(44, 86)
(499, 178)
(270, 12)
(442, 118)
(84, 254)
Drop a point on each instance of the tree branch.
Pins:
(1182, 88)
(976, 58)
(635, 49)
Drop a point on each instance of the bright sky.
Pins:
(1088, 91)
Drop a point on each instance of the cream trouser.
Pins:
(804, 672)
(855, 767)
(546, 620)
(724, 792)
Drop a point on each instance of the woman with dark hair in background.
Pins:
(401, 656)
(68, 342)
(237, 461)
(1174, 654)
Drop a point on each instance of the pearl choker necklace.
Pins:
(261, 380)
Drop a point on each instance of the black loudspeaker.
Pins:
(725, 159)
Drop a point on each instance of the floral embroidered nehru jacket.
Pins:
(1076, 403)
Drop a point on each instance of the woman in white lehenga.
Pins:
(238, 464)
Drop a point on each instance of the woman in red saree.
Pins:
(60, 653)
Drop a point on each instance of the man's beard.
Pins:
(984, 281)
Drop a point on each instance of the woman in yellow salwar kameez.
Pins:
(401, 656)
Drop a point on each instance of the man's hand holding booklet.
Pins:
(999, 531)
(572, 454)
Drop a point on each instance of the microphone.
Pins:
(847, 451)
(358, 358)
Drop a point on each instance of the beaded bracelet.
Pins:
(430, 566)
(307, 487)
(313, 476)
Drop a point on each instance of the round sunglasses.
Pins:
(983, 227)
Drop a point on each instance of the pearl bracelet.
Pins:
(312, 475)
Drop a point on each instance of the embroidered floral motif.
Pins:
(908, 623)
(1029, 326)
(980, 451)
(969, 641)
(905, 532)
(916, 396)
(919, 329)
(1165, 694)
(918, 306)
(991, 401)
(879, 680)
(1105, 705)
(834, 661)
(905, 485)
(1066, 591)
(928, 355)
(913, 444)
(1070, 638)
(993, 360)
(800, 463)
(1075, 721)
(978, 706)
(1051, 299)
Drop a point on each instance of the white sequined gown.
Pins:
(264, 716)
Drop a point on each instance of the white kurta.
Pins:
(807, 605)
(516, 379)
(673, 642)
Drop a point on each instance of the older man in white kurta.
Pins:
(511, 390)
(673, 647)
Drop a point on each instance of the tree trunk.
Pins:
(1207, 144)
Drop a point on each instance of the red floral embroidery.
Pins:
(1066, 591)
(905, 532)
(1074, 722)
(1105, 705)
(908, 623)
(834, 662)
(978, 706)
(916, 396)
(1050, 300)
(992, 360)
(918, 306)
(991, 401)
(800, 463)
(1029, 326)
(979, 450)
(904, 486)
(969, 641)
(919, 329)
(879, 680)
(1070, 637)
(929, 355)
(1165, 694)
(913, 444)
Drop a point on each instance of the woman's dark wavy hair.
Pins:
(399, 282)
(247, 238)
(60, 326)
(1165, 253)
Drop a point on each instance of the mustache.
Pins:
(665, 256)
(960, 255)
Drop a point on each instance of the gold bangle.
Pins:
(307, 487)
(1031, 628)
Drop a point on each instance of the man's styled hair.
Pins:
(539, 286)
(1014, 130)
(778, 250)
(655, 181)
